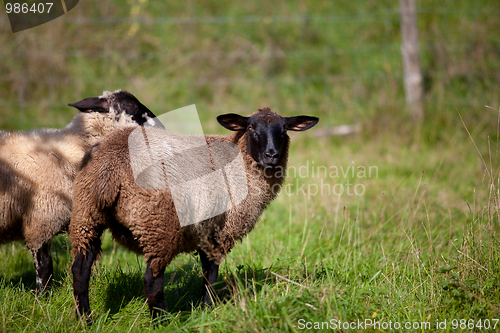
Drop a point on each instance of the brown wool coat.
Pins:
(145, 220)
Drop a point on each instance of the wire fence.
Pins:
(373, 69)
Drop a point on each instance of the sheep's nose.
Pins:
(271, 154)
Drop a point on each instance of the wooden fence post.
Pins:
(411, 62)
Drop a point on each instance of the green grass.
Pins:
(419, 245)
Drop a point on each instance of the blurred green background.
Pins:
(339, 60)
(419, 245)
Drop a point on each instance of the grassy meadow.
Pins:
(395, 225)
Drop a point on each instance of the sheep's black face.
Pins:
(122, 103)
(267, 138)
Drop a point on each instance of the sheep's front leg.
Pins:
(43, 267)
(153, 289)
(210, 274)
(81, 269)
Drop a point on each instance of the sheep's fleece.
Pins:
(37, 170)
(146, 221)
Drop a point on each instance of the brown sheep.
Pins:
(37, 170)
(145, 220)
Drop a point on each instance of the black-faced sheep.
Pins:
(106, 195)
(37, 170)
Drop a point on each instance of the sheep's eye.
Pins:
(250, 128)
(252, 132)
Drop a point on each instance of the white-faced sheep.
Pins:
(106, 195)
(37, 170)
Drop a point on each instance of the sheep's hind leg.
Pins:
(153, 289)
(210, 274)
(43, 267)
(81, 270)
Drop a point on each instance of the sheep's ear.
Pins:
(233, 121)
(91, 104)
(301, 123)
